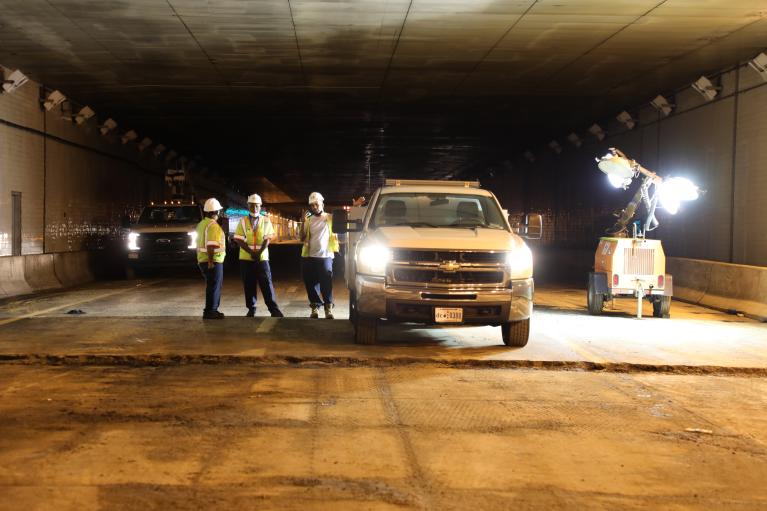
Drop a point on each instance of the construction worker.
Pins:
(211, 251)
(320, 244)
(253, 234)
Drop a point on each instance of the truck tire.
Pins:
(661, 307)
(516, 333)
(365, 330)
(352, 306)
(595, 301)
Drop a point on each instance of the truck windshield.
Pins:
(170, 215)
(437, 210)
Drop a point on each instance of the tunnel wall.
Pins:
(721, 145)
(76, 185)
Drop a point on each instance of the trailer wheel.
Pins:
(516, 333)
(661, 307)
(365, 330)
(595, 301)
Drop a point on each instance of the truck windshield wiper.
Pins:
(416, 224)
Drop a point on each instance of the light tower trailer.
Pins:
(633, 267)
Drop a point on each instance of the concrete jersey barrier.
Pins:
(39, 272)
(723, 286)
(12, 279)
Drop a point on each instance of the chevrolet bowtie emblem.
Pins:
(450, 266)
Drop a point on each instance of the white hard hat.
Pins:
(211, 205)
(316, 197)
(254, 199)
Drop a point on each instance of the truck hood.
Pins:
(445, 238)
(163, 228)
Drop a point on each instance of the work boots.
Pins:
(315, 312)
(212, 315)
(328, 311)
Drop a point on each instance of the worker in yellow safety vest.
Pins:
(253, 234)
(319, 246)
(211, 251)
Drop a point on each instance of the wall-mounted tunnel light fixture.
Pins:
(625, 118)
(159, 149)
(108, 126)
(146, 142)
(759, 64)
(662, 105)
(574, 139)
(53, 100)
(529, 156)
(129, 136)
(14, 80)
(554, 145)
(597, 131)
(84, 114)
(707, 89)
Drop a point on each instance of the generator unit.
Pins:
(634, 267)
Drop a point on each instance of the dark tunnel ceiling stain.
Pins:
(317, 94)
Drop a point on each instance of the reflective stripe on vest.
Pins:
(204, 248)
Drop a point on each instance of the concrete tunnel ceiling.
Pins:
(309, 93)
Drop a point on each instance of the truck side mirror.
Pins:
(342, 224)
(534, 226)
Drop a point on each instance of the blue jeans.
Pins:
(318, 276)
(255, 275)
(214, 278)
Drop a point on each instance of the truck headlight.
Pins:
(520, 262)
(192, 239)
(372, 259)
(133, 241)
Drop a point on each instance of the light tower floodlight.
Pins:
(618, 168)
(759, 64)
(707, 89)
(84, 114)
(574, 139)
(129, 137)
(53, 100)
(662, 105)
(108, 126)
(625, 118)
(15, 80)
(597, 131)
(554, 145)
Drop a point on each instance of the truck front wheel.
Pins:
(516, 333)
(365, 330)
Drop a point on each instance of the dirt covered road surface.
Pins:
(249, 436)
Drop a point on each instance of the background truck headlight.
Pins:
(192, 239)
(133, 241)
(372, 259)
(520, 262)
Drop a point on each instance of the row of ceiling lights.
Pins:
(702, 85)
(56, 98)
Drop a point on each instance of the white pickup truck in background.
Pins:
(438, 253)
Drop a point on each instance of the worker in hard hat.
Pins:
(319, 247)
(211, 251)
(253, 234)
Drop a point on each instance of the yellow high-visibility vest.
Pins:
(210, 233)
(332, 242)
(254, 239)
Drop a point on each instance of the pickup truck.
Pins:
(437, 253)
(164, 236)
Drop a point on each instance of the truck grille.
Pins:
(428, 276)
(437, 256)
(639, 261)
(159, 242)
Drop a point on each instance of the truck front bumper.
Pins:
(416, 304)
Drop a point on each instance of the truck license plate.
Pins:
(445, 315)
